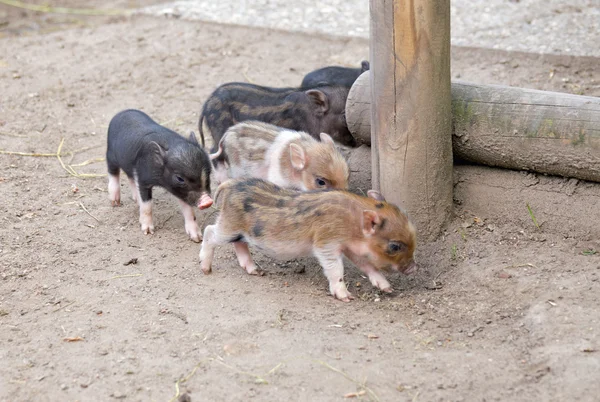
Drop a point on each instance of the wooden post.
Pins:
(411, 115)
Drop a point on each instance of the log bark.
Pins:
(411, 117)
(514, 128)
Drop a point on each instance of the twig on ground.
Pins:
(89, 162)
(244, 73)
(88, 212)
(520, 266)
(13, 135)
(37, 155)
(64, 10)
(61, 307)
(69, 171)
(186, 378)
(126, 276)
(260, 380)
(370, 392)
(532, 216)
(67, 167)
(257, 379)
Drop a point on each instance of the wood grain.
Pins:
(411, 113)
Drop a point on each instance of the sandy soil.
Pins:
(500, 310)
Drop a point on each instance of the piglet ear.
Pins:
(376, 195)
(369, 222)
(364, 66)
(159, 155)
(326, 138)
(193, 138)
(319, 99)
(297, 157)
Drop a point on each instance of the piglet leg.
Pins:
(191, 227)
(114, 189)
(145, 209)
(146, 217)
(333, 266)
(207, 251)
(134, 190)
(213, 237)
(245, 259)
(377, 279)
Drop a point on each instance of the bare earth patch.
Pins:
(92, 309)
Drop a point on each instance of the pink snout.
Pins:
(412, 267)
(205, 201)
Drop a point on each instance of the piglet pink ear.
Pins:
(376, 195)
(326, 138)
(369, 222)
(297, 157)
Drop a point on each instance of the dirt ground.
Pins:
(501, 310)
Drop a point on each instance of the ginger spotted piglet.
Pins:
(290, 159)
(373, 234)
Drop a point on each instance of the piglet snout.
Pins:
(412, 267)
(205, 201)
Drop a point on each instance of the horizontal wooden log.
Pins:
(515, 128)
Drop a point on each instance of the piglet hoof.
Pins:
(345, 299)
(205, 269)
(257, 271)
(115, 203)
(380, 282)
(148, 229)
(341, 293)
(252, 269)
(193, 233)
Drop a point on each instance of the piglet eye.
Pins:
(395, 247)
(179, 179)
(320, 182)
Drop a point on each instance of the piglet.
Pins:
(291, 159)
(152, 155)
(373, 234)
(314, 111)
(334, 75)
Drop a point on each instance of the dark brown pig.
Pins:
(315, 111)
(334, 75)
(329, 224)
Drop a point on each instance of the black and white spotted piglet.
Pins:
(152, 155)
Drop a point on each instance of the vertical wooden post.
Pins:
(411, 123)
